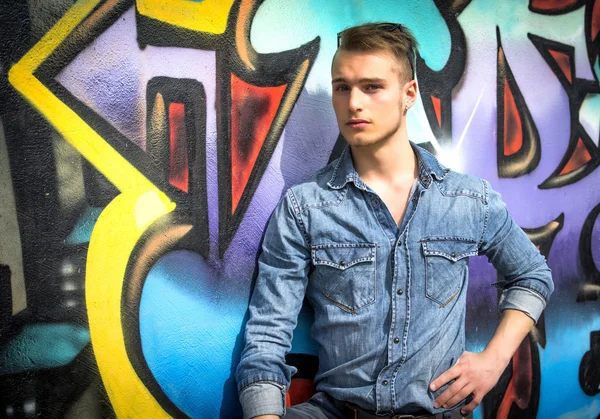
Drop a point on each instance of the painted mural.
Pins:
(144, 144)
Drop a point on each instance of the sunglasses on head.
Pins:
(389, 27)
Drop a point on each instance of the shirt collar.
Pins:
(429, 168)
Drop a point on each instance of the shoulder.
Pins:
(450, 182)
(317, 189)
(461, 184)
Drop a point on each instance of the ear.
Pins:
(410, 92)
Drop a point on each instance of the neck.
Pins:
(390, 160)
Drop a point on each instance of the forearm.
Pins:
(513, 328)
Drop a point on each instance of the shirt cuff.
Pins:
(263, 398)
(522, 299)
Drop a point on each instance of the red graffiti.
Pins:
(580, 157)
(564, 62)
(595, 24)
(520, 386)
(437, 107)
(554, 6)
(178, 158)
(301, 389)
(513, 128)
(253, 109)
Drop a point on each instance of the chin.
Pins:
(360, 140)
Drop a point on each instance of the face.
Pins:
(369, 97)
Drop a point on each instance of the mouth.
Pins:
(357, 123)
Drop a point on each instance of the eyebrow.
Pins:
(363, 80)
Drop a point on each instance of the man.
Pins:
(378, 242)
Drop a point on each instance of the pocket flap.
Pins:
(451, 249)
(343, 256)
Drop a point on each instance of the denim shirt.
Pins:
(389, 301)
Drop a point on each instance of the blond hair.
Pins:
(391, 37)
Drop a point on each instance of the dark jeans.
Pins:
(320, 406)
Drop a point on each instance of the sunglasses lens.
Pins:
(391, 27)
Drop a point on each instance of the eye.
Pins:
(374, 87)
(341, 88)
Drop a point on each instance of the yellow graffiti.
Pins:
(208, 16)
(117, 230)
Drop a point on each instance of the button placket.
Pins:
(398, 304)
(393, 306)
(383, 217)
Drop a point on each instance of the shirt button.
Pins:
(453, 254)
(375, 202)
(384, 382)
(342, 263)
(400, 292)
(396, 340)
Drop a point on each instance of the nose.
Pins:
(355, 101)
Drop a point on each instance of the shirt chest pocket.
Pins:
(446, 263)
(345, 274)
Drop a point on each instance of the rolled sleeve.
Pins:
(526, 279)
(522, 299)
(263, 398)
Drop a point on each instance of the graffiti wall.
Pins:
(144, 144)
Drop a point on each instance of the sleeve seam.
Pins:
(297, 216)
(486, 216)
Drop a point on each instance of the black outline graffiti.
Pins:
(441, 83)
(591, 290)
(589, 369)
(100, 19)
(261, 70)
(576, 92)
(543, 237)
(191, 94)
(236, 56)
(169, 233)
(527, 158)
(593, 45)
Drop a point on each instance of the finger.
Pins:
(445, 378)
(449, 393)
(459, 396)
(465, 410)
